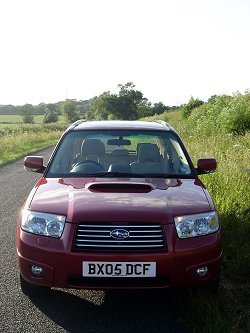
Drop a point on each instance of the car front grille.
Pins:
(141, 236)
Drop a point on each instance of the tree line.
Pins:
(128, 104)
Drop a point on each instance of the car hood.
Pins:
(103, 199)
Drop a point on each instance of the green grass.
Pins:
(10, 119)
(17, 141)
(203, 312)
(229, 187)
(16, 120)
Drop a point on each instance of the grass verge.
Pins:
(229, 311)
(18, 141)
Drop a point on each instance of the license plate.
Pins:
(118, 269)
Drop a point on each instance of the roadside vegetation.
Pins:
(12, 120)
(17, 141)
(219, 128)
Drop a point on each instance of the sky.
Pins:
(171, 50)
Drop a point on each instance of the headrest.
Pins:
(148, 152)
(120, 152)
(92, 147)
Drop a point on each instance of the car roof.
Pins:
(120, 125)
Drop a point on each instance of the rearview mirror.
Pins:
(119, 142)
(34, 164)
(206, 165)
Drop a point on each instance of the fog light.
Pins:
(36, 270)
(202, 271)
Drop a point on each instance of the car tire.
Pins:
(30, 289)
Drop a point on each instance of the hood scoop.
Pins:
(120, 187)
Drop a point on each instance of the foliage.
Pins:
(122, 106)
(53, 107)
(83, 107)
(227, 114)
(146, 109)
(9, 109)
(229, 187)
(226, 312)
(236, 117)
(128, 104)
(100, 106)
(164, 116)
(16, 120)
(70, 111)
(159, 108)
(204, 312)
(50, 116)
(192, 104)
(30, 128)
(26, 114)
(39, 109)
(25, 139)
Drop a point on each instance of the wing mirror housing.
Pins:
(34, 164)
(206, 165)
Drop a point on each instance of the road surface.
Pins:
(70, 310)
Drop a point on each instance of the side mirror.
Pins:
(206, 165)
(34, 164)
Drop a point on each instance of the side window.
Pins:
(180, 162)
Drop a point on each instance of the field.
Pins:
(17, 139)
(15, 120)
(229, 311)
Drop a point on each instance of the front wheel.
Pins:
(30, 289)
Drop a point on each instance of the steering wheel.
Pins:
(89, 162)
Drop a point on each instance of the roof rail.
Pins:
(164, 123)
(76, 123)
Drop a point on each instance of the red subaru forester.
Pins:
(119, 205)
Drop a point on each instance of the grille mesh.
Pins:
(96, 236)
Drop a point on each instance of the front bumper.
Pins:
(176, 266)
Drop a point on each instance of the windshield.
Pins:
(119, 153)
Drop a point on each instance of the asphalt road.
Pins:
(70, 310)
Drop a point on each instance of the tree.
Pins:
(100, 107)
(128, 104)
(50, 116)
(159, 108)
(53, 107)
(69, 109)
(27, 114)
(212, 98)
(129, 101)
(144, 109)
(192, 104)
(124, 106)
(39, 109)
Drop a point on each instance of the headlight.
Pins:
(42, 223)
(196, 225)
